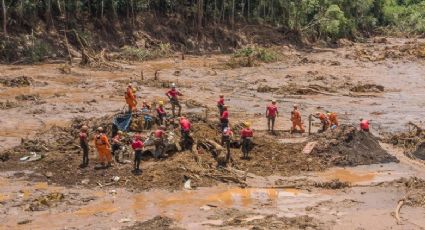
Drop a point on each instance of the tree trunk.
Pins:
(233, 14)
(3, 4)
(101, 11)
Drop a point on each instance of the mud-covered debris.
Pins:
(420, 151)
(347, 146)
(20, 81)
(343, 42)
(334, 184)
(8, 105)
(266, 89)
(45, 201)
(414, 189)
(158, 222)
(193, 104)
(4, 156)
(28, 97)
(367, 88)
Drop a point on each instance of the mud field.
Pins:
(350, 180)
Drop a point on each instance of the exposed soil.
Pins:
(158, 222)
(348, 146)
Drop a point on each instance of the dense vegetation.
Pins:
(308, 19)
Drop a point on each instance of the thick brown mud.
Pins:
(280, 187)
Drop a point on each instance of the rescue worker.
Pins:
(147, 118)
(116, 145)
(271, 114)
(224, 118)
(226, 138)
(323, 120)
(246, 136)
(146, 105)
(296, 120)
(160, 135)
(103, 147)
(364, 125)
(185, 131)
(130, 98)
(220, 104)
(333, 120)
(173, 94)
(161, 112)
(84, 144)
(137, 146)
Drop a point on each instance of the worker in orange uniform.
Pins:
(271, 114)
(296, 120)
(246, 135)
(130, 98)
(220, 104)
(103, 147)
(323, 120)
(333, 120)
(364, 125)
(173, 94)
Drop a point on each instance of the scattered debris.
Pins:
(334, 184)
(20, 81)
(28, 97)
(367, 88)
(45, 201)
(158, 222)
(8, 105)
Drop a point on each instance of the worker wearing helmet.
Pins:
(103, 147)
(246, 136)
(161, 113)
(271, 114)
(159, 140)
(130, 98)
(173, 94)
(116, 145)
(224, 118)
(296, 120)
(226, 138)
(364, 125)
(138, 147)
(333, 119)
(323, 120)
(220, 104)
(84, 144)
(185, 127)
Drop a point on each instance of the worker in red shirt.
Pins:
(364, 125)
(116, 145)
(173, 94)
(246, 136)
(226, 138)
(220, 104)
(333, 120)
(296, 120)
(224, 118)
(84, 144)
(271, 114)
(185, 132)
(323, 120)
(137, 146)
(160, 136)
(161, 114)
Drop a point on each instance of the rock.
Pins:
(205, 208)
(85, 181)
(48, 174)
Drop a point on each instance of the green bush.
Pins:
(37, 51)
(142, 54)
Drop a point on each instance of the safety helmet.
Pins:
(161, 102)
(247, 124)
(84, 128)
(274, 101)
(221, 95)
(120, 132)
(162, 127)
(100, 129)
(295, 106)
(173, 85)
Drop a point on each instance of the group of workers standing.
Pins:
(106, 150)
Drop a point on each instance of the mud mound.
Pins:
(347, 146)
(8, 105)
(367, 88)
(20, 81)
(241, 220)
(158, 222)
(420, 151)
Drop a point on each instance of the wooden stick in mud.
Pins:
(309, 124)
(397, 211)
